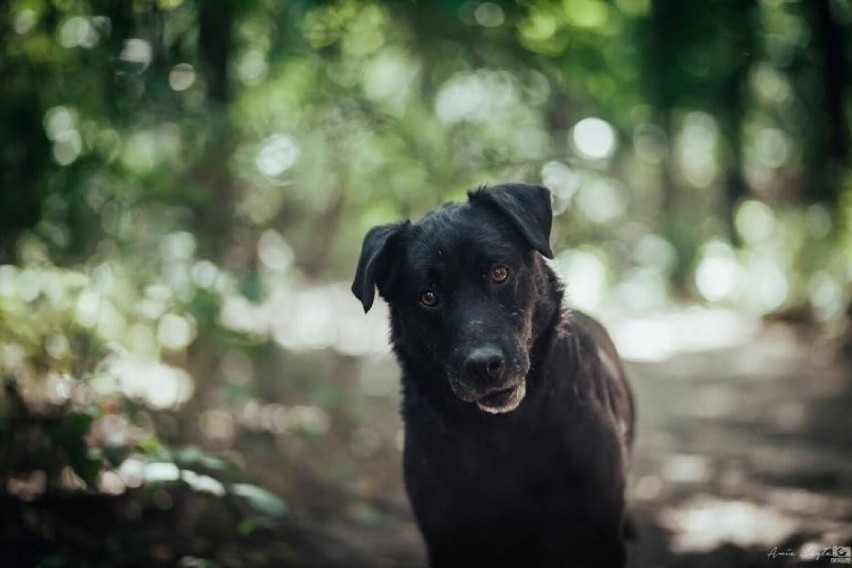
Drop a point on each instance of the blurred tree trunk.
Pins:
(424, 21)
(660, 69)
(216, 43)
(212, 172)
(120, 15)
(319, 249)
(662, 39)
(24, 148)
(25, 154)
(216, 192)
(732, 109)
(829, 153)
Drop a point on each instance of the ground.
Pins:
(742, 460)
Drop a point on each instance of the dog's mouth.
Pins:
(503, 400)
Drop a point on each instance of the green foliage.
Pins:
(261, 499)
(193, 457)
(70, 436)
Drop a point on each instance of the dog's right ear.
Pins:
(377, 254)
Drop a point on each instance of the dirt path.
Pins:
(740, 450)
(743, 459)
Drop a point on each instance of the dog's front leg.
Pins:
(604, 548)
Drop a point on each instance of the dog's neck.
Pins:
(549, 311)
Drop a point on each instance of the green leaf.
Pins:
(193, 456)
(246, 527)
(261, 499)
(251, 287)
(150, 446)
(70, 437)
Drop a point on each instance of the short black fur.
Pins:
(518, 418)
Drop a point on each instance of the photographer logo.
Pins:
(841, 555)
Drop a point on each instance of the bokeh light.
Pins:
(182, 76)
(594, 138)
(277, 154)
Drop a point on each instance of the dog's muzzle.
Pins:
(486, 379)
(504, 400)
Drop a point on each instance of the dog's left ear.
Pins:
(527, 206)
(374, 265)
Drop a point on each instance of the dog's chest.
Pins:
(492, 475)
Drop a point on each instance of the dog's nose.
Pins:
(484, 363)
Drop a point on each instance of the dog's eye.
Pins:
(499, 273)
(429, 299)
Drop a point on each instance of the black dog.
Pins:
(518, 419)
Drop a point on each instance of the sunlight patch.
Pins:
(705, 523)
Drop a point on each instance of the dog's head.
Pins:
(465, 285)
